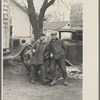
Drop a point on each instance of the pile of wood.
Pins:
(75, 72)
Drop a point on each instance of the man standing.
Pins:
(57, 53)
(37, 60)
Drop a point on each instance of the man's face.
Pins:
(41, 38)
(53, 36)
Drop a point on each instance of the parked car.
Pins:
(74, 45)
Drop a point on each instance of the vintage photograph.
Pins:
(42, 49)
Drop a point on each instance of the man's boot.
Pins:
(42, 75)
(43, 82)
(32, 74)
(65, 82)
(54, 82)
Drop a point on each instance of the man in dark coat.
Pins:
(57, 52)
(37, 59)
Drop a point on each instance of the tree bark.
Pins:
(37, 23)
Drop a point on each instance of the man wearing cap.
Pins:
(37, 60)
(57, 53)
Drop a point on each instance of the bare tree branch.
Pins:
(31, 7)
(45, 5)
(70, 2)
(37, 22)
(32, 13)
(65, 4)
(25, 5)
(51, 2)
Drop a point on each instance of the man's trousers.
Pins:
(62, 65)
(34, 70)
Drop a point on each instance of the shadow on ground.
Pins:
(16, 86)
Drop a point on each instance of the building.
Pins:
(16, 23)
(6, 24)
(19, 19)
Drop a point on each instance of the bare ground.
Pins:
(16, 86)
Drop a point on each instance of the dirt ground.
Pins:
(16, 86)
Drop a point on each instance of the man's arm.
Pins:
(47, 51)
(33, 47)
(51, 54)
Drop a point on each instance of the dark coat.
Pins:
(40, 52)
(57, 48)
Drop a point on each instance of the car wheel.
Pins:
(26, 58)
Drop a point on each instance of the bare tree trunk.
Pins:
(37, 23)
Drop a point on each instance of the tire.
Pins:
(25, 58)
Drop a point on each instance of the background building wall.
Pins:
(6, 28)
(20, 21)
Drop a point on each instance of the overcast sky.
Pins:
(57, 10)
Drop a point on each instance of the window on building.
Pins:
(16, 43)
(11, 30)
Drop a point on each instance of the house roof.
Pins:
(75, 29)
(20, 5)
(54, 25)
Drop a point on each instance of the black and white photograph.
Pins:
(42, 44)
